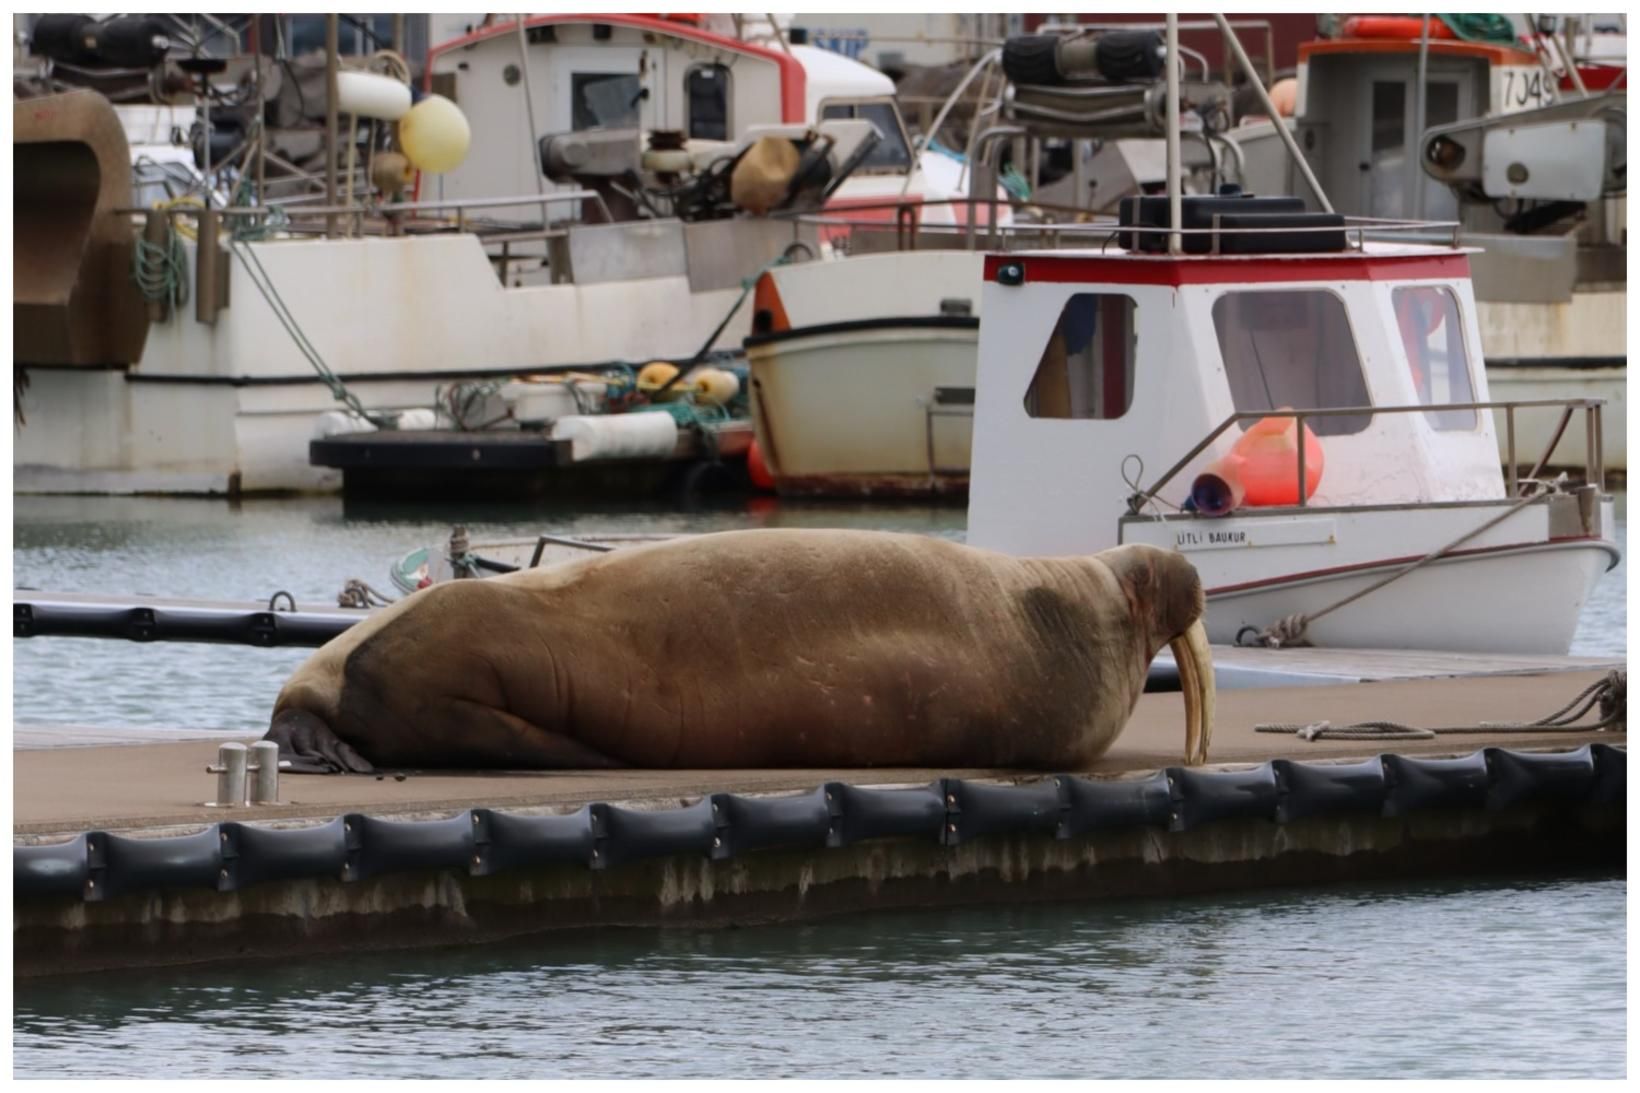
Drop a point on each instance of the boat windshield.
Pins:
(1432, 334)
(1293, 349)
(890, 153)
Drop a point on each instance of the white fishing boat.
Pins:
(1127, 396)
(590, 225)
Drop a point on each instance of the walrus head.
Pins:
(1165, 598)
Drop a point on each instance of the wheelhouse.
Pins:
(1095, 359)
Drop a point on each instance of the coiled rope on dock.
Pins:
(160, 270)
(359, 593)
(1607, 696)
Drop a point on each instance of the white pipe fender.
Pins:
(646, 434)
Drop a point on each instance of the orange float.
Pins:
(1261, 469)
(1395, 26)
(757, 469)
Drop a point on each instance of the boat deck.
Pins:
(72, 779)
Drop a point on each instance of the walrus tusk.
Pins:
(1195, 661)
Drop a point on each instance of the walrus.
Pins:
(769, 648)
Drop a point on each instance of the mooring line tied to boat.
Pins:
(1291, 629)
(1607, 696)
(948, 812)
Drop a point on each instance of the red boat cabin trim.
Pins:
(1197, 270)
(793, 80)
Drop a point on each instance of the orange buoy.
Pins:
(1395, 26)
(757, 469)
(1261, 469)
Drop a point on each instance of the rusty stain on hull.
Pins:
(953, 486)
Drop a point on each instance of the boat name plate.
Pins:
(1204, 534)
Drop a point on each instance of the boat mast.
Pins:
(1270, 108)
(1175, 198)
(1420, 113)
(332, 121)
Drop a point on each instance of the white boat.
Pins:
(488, 271)
(1112, 381)
(864, 383)
(1551, 296)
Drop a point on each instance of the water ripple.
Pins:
(1499, 979)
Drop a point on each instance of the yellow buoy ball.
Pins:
(657, 374)
(435, 135)
(714, 386)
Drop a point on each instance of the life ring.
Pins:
(1395, 26)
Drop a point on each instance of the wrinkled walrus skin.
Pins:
(776, 648)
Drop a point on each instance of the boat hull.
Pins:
(1517, 586)
(878, 407)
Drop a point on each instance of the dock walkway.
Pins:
(105, 781)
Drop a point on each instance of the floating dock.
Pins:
(514, 462)
(118, 863)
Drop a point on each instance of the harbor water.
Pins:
(1512, 977)
(1518, 979)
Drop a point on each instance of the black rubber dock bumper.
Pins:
(98, 866)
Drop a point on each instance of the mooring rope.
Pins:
(264, 284)
(160, 270)
(1609, 694)
(1290, 629)
(357, 593)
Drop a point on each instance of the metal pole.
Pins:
(1079, 175)
(1270, 109)
(398, 35)
(332, 122)
(261, 111)
(1175, 199)
(231, 760)
(779, 35)
(265, 767)
(1569, 55)
(205, 114)
(1302, 499)
(529, 106)
(1420, 108)
(1511, 469)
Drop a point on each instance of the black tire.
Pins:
(1032, 59)
(1129, 56)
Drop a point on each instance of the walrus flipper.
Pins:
(310, 747)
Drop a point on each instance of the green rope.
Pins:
(160, 270)
(338, 390)
(1481, 28)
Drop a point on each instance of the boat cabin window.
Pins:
(604, 100)
(1432, 333)
(1087, 369)
(706, 91)
(890, 153)
(1291, 349)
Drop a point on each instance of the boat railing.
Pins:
(1104, 232)
(1593, 466)
(293, 214)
